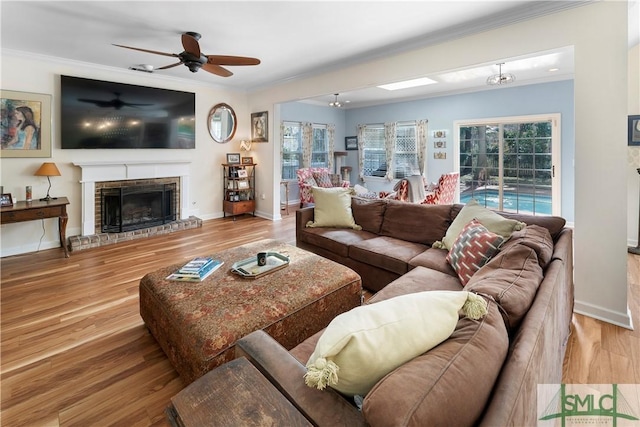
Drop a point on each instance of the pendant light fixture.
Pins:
(335, 103)
(500, 78)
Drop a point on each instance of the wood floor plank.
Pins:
(75, 352)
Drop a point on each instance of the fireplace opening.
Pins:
(137, 206)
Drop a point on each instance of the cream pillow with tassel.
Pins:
(361, 346)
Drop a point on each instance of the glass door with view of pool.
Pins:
(509, 164)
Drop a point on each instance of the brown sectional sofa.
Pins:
(487, 372)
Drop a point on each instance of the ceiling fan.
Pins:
(194, 59)
(116, 103)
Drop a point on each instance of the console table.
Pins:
(37, 209)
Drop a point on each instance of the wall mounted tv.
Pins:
(99, 114)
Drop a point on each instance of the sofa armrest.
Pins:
(303, 216)
(286, 373)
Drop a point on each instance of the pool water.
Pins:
(513, 202)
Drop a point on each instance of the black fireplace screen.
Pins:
(137, 206)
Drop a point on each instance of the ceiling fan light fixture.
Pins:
(501, 78)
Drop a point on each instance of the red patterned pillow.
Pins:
(323, 179)
(473, 248)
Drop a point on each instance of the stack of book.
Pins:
(196, 270)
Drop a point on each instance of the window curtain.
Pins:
(422, 130)
(331, 135)
(281, 146)
(361, 134)
(390, 148)
(307, 134)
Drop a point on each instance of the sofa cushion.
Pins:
(511, 278)
(449, 385)
(537, 238)
(473, 248)
(435, 259)
(554, 224)
(332, 208)
(335, 240)
(368, 213)
(415, 222)
(472, 210)
(386, 253)
(323, 179)
(361, 346)
(419, 279)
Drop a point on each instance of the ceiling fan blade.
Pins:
(146, 50)
(231, 60)
(169, 66)
(191, 45)
(216, 69)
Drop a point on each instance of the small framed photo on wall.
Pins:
(259, 127)
(634, 130)
(351, 142)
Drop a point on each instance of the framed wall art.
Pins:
(260, 127)
(351, 142)
(634, 130)
(440, 144)
(440, 155)
(26, 124)
(247, 160)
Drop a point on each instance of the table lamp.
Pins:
(48, 169)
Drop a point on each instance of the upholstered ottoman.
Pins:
(197, 324)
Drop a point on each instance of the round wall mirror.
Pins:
(222, 123)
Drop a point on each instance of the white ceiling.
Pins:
(293, 39)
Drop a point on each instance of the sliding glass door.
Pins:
(510, 163)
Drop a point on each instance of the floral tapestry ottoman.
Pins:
(198, 323)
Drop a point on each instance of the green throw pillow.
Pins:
(491, 220)
(361, 346)
(332, 208)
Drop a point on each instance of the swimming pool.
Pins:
(516, 202)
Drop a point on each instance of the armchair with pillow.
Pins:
(315, 177)
(412, 189)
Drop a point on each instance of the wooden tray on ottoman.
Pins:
(198, 323)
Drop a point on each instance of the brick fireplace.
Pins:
(97, 177)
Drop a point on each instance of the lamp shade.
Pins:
(48, 169)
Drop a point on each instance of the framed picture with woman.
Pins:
(25, 124)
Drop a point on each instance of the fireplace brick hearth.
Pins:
(78, 243)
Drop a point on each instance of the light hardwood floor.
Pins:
(75, 351)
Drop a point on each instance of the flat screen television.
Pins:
(100, 114)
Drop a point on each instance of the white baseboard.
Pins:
(623, 320)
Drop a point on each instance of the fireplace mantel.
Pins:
(93, 172)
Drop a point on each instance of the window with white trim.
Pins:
(405, 149)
